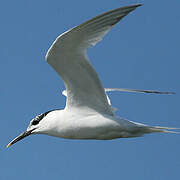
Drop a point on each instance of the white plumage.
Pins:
(88, 113)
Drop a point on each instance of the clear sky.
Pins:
(142, 51)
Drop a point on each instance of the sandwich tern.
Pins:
(88, 113)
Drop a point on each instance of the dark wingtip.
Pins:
(135, 5)
(139, 4)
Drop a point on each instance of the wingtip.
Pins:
(138, 5)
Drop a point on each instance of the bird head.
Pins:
(34, 127)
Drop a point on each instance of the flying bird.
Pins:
(88, 113)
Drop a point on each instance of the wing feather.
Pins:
(68, 57)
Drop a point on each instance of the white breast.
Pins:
(82, 125)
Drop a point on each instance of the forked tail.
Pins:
(162, 129)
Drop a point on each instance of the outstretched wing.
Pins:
(68, 57)
(138, 91)
(64, 92)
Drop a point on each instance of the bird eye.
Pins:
(35, 122)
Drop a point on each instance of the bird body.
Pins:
(88, 113)
(89, 124)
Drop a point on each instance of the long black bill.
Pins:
(21, 136)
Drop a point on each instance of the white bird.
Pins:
(88, 113)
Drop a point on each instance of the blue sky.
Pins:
(142, 52)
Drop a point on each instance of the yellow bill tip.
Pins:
(9, 145)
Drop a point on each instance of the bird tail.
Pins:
(154, 129)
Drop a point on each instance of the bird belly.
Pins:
(94, 127)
